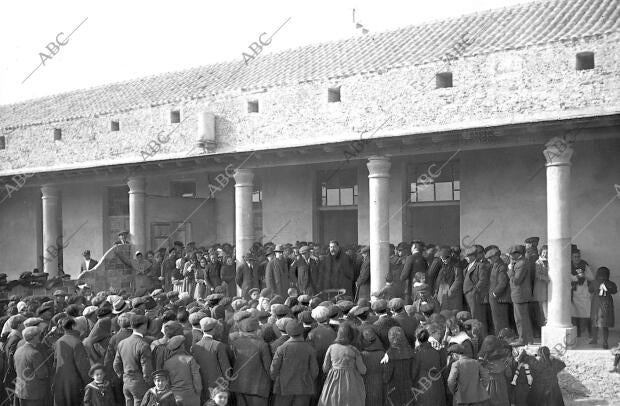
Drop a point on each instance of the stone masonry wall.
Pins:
(510, 86)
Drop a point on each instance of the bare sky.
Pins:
(125, 39)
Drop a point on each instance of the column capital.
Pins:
(136, 184)
(50, 192)
(378, 167)
(243, 177)
(558, 151)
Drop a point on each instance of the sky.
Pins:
(109, 41)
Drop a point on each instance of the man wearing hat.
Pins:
(362, 284)
(251, 365)
(88, 263)
(321, 337)
(305, 272)
(247, 274)
(133, 361)
(294, 368)
(520, 293)
(409, 325)
(385, 322)
(476, 286)
(413, 263)
(499, 290)
(194, 321)
(123, 237)
(211, 357)
(277, 273)
(32, 386)
(59, 301)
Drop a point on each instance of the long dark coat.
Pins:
(305, 275)
(449, 287)
(277, 276)
(545, 387)
(602, 309)
(72, 367)
(294, 368)
(213, 361)
(363, 281)
(251, 363)
(373, 379)
(246, 278)
(382, 326)
(337, 272)
(429, 366)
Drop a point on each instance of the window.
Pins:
(183, 189)
(333, 95)
(257, 196)
(175, 116)
(57, 134)
(118, 201)
(585, 61)
(434, 182)
(443, 79)
(338, 187)
(2, 142)
(115, 126)
(253, 106)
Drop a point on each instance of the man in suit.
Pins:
(124, 331)
(413, 263)
(247, 277)
(276, 274)
(32, 386)
(133, 362)
(384, 323)
(362, 285)
(305, 272)
(211, 357)
(337, 271)
(520, 293)
(88, 263)
(499, 290)
(475, 286)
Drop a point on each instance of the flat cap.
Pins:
(157, 292)
(47, 306)
(281, 323)
(345, 306)
(304, 299)
(175, 342)
(248, 325)
(194, 318)
(162, 373)
(59, 293)
(396, 304)
(492, 252)
(379, 305)
(172, 294)
(281, 310)
(29, 333)
(532, 240)
(304, 249)
(32, 321)
(138, 301)
(320, 313)
(359, 310)
(89, 310)
(294, 328)
(257, 290)
(208, 324)
(238, 304)
(138, 320)
(517, 249)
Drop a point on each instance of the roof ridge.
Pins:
(285, 51)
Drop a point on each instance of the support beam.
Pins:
(51, 230)
(378, 193)
(137, 212)
(244, 222)
(558, 330)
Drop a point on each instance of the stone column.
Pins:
(244, 223)
(51, 229)
(379, 236)
(137, 214)
(558, 331)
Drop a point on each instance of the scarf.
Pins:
(526, 368)
(434, 343)
(602, 290)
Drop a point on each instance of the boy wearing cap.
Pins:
(160, 395)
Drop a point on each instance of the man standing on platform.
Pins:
(475, 286)
(337, 271)
(276, 274)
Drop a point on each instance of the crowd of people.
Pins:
(297, 324)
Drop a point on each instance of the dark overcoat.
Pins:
(251, 363)
(33, 379)
(72, 367)
(246, 278)
(429, 366)
(214, 364)
(294, 368)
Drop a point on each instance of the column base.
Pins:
(559, 337)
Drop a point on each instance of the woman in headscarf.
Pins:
(97, 341)
(372, 353)
(429, 367)
(497, 359)
(545, 387)
(400, 368)
(185, 380)
(602, 311)
(344, 366)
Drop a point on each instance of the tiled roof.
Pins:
(514, 27)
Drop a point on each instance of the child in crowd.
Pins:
(160, 395)
(98, 392)
(602, 306)
(219, 397)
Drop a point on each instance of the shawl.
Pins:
(399, 346)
